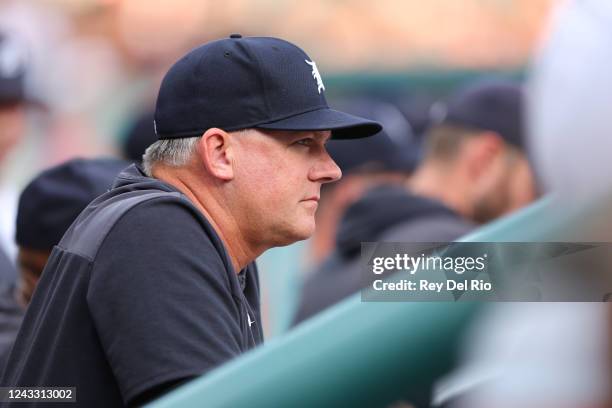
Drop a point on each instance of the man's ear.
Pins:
(215, 151)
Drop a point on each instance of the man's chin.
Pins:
(299, 233)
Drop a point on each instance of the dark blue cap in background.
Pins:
(395, 148)
(139, 135)
(54, 199)
(487, 104)
(252, 82)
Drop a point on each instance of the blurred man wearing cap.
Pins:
(155, 282)
(474, 167)
(47, 207)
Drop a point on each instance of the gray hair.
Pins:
(172, 152)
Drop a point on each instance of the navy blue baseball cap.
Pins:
(52, 201)
(487, 104)
(249, 82)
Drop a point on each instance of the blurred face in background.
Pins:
(12, 126)
(522, 186)
(31, 263)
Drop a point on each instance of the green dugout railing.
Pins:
(436, 80)
(358, 354)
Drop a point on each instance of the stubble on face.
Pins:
(513, 189)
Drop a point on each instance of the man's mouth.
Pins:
(312, 198)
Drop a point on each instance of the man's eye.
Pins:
(305, 142)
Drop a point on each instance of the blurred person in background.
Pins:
(474, 170)
(126, 46)
(417, 107)
(12, 128)
(47, 207)
(12, 94)
(474, 164)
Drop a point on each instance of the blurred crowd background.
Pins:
(97, 64)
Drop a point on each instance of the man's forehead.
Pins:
(321, 134)
(296, 134)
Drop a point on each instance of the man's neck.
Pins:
(440, 183)
(214, 211)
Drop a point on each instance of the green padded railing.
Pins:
(357, 354)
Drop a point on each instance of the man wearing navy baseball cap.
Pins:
(475, 162)
(155, 282)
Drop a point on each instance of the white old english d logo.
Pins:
(316, 75)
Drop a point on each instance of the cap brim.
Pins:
(342, 125)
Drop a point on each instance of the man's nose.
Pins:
(325, 170)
